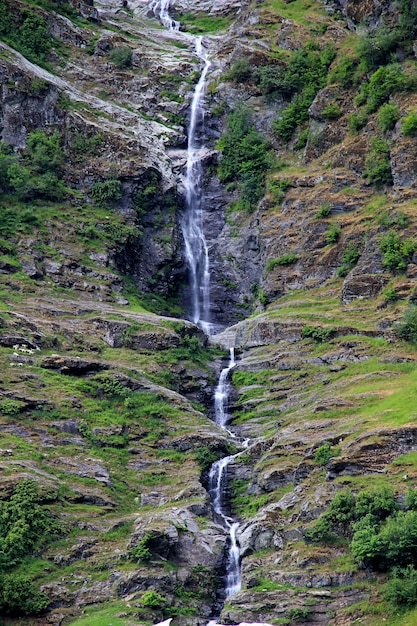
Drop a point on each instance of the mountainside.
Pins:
(309, 190)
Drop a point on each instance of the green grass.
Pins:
(201, 23)
(118, 614)
(299, 10)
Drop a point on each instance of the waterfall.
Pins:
(196, 249)
(218, 484)
(161, 9)
(197, 256)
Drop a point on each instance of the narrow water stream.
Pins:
(197, 257)
(196, 249)
(218, 484)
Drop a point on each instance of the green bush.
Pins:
(106, 192)
(394, 543)
(240, 72)
(357, 121)
(206, 456)
(377, 163)
(285, 259)
(393, 218)
(401, 590)
(349, 260)
(24, 524)
(297, 614)
(397, 252)
(245, 157)
(407, 328)
(388, 116)
(324, 210)
(390, 294)
(409, 125)
(345, 72)
(379, 502)
(18, 596)
(141, 552)
(382, 84)
(317, 333)
(153, 600)
(333, 234)
(121, 57)
(304, 76)
(332, 111)
(376, 49)
(324, 453)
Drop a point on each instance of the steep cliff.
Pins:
(310, 196)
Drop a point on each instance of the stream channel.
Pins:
(197, 257)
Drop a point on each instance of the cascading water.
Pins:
(196, 249)
(197, 256)
(161, 9)
(218, 484)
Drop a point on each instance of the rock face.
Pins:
(106, 393)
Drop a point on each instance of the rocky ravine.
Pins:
(106, 406)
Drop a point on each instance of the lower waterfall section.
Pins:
(218, 483)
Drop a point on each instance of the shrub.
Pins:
(393, 544)
(24, 524)
(384, 82)
(206, 456)
(317, 333)
(409, 125)
(332, 111)
(356, 121)
(390, 294)
(285, 259)
(326, 452)
(141, 552)
(305, 74)
(401, 590)
(397, 252)
(297, 614)
(153, 600)
(18, 596)
(377, 163)
(376, 49)
(388, 115)
(379, 502)
(407, 329)
(240, 72)
(324, 210)
(121, 57)
(393, 218)
(106, 192)
(333, 234)
(245, 158)
(345, 72)
(349, 260)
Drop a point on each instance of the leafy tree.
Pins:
(407, 329)
(246, 156)
(24, 524)
(409, 125)
(388, 116)
(121, 57)
(45, 152)
(393, 544)
(377, 163)
(106, 192)
(397, 252)
(401, 590)
(18, 596)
